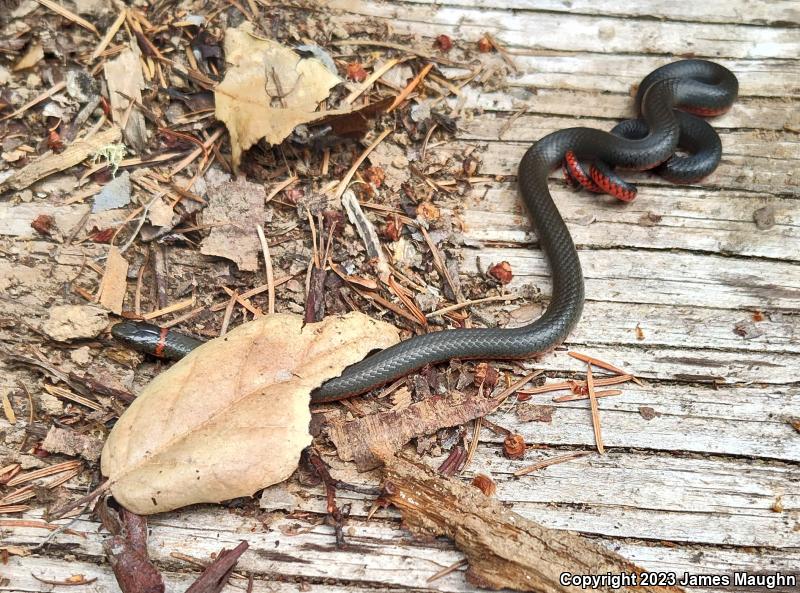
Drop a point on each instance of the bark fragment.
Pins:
(504, 549)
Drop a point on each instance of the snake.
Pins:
(669, 136)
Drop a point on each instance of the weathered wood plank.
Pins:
(635, 276)
(20, 572)
(577, 496)
(713, 560)
(16, 219)
(620, 74)
(738, 12)
(744, 167)
(663, 217)
(605, 323)
(530, 127)
(691, 363)
(599, 34)
(609, 108)
(730, 421)
(290, 549)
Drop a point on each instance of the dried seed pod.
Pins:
(486, 375)
(485, 484)
(470, 166)
(485, 45)
(393, 228)
(375, 175)
(514, 446)
(501, 272)
(43, 224)
(356, 72)
(443, 42)
(428, 211)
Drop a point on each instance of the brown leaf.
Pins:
(373, 438)
(32, 57)
(268, 90)
(232, 417)
(234, 209)
(114, 282)
(125, 83)
(501, 272)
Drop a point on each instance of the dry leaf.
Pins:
(114, 282)
(235, 208)
(125, 84)
(371, 439)
(31, 58)
(160, 213)
(232, 417)
(268, 90)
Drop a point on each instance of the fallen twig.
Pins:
(598, 436)
(67, 14)
(603, 365)
(504, 549)
(410, 88)
(582, 396)
(548, 462)
(270, 275)
(573, 385)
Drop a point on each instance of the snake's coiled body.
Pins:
(695, 86)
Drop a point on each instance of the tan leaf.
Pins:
(160, 213)
(235, 207)
(232, 417)
(32, 57)
(125, 83)
(114, 282)
(268, 89)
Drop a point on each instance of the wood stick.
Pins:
(605, 381)
(504, 549)
(101, 47)
(370, 80)
(551, 461)
(598, 436)
(169, 309)
(349, 175)
(409, 88)
(269, 272)
(69, 15)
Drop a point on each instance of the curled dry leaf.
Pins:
(232, 417)
(268, 90)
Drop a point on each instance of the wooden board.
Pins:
(710, 484)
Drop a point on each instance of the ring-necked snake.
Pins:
(588, 157)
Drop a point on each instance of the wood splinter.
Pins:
(504, 550)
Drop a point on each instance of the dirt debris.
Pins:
(72, 322)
